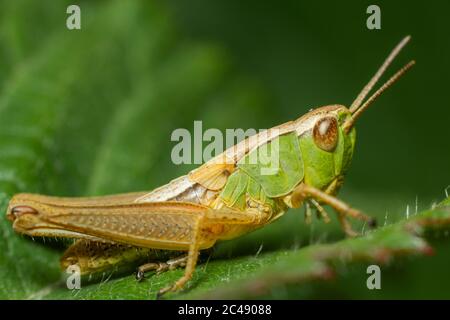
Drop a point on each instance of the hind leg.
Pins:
(161, 267)
(213, 219)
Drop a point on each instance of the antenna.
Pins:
(365, 91)
(349, 123)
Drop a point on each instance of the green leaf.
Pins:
(91, 112)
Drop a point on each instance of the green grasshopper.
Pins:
(226, 197)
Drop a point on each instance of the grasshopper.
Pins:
(222, 199)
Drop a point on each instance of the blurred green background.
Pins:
(91, 111)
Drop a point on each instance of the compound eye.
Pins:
(325, 133)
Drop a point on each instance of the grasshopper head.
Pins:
(327, 149)
(327, 134)
(326, 126)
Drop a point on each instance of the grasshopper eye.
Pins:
(325, 133)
